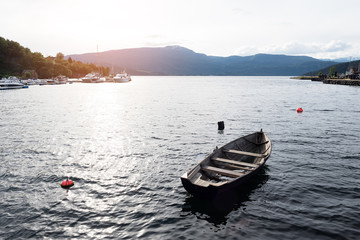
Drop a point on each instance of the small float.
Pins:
(299, 110)
(68, 183)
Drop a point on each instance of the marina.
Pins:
(17, 83)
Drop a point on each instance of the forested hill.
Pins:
(20, 61)
(176, 60)
(339, 68)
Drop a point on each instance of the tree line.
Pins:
(15, 60)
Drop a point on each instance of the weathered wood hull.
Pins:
(199, 182)
(214, 191)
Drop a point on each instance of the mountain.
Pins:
(339, 68)
(176, 60)
(338, 60)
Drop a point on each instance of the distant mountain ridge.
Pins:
(176, 60)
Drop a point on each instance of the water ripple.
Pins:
(126, 145)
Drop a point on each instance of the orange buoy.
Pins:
(299, 110)
(67, 183)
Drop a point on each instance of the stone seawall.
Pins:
(352, 82)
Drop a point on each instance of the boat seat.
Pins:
(201, 182)
(237, 163)
(256, 143)
(225, 172)
(251, 154)
(205, 183)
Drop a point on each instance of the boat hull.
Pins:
(198, 183)
(87, 80)
(8, 86)
(213, 191)
(121, 80)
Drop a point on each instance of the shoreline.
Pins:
(339, 81)
(352, 82)
(312, 78)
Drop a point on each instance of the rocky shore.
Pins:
(353, 82)
(340, 81)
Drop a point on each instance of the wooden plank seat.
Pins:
(251, 154)
(204, 183)
(201, 182)
(237, 163)
(221, 171)
(255, 142)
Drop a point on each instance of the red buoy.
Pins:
(299, 110)
(67, 183)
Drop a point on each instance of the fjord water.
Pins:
(126, 146)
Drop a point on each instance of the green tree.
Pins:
(332, 71)
(60, 58)
(3, 48)
(38, 60)
(14, 58)
(44, 72)
(60, 69)
(27, 75)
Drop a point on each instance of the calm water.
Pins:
(126, 146)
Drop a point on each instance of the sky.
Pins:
(325, 29)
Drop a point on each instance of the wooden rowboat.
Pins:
(229, 167)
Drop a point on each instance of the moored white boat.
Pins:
(122, 77)
(10, 79)
(101, 80)
(43, 82)
(91, 78)
(61, 79)
(31, 81)
(51, 81)
(10, 83)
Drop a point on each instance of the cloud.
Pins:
(296, 48)
(160, 43)
(158, 40)
(242, 11)
(335, 46)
